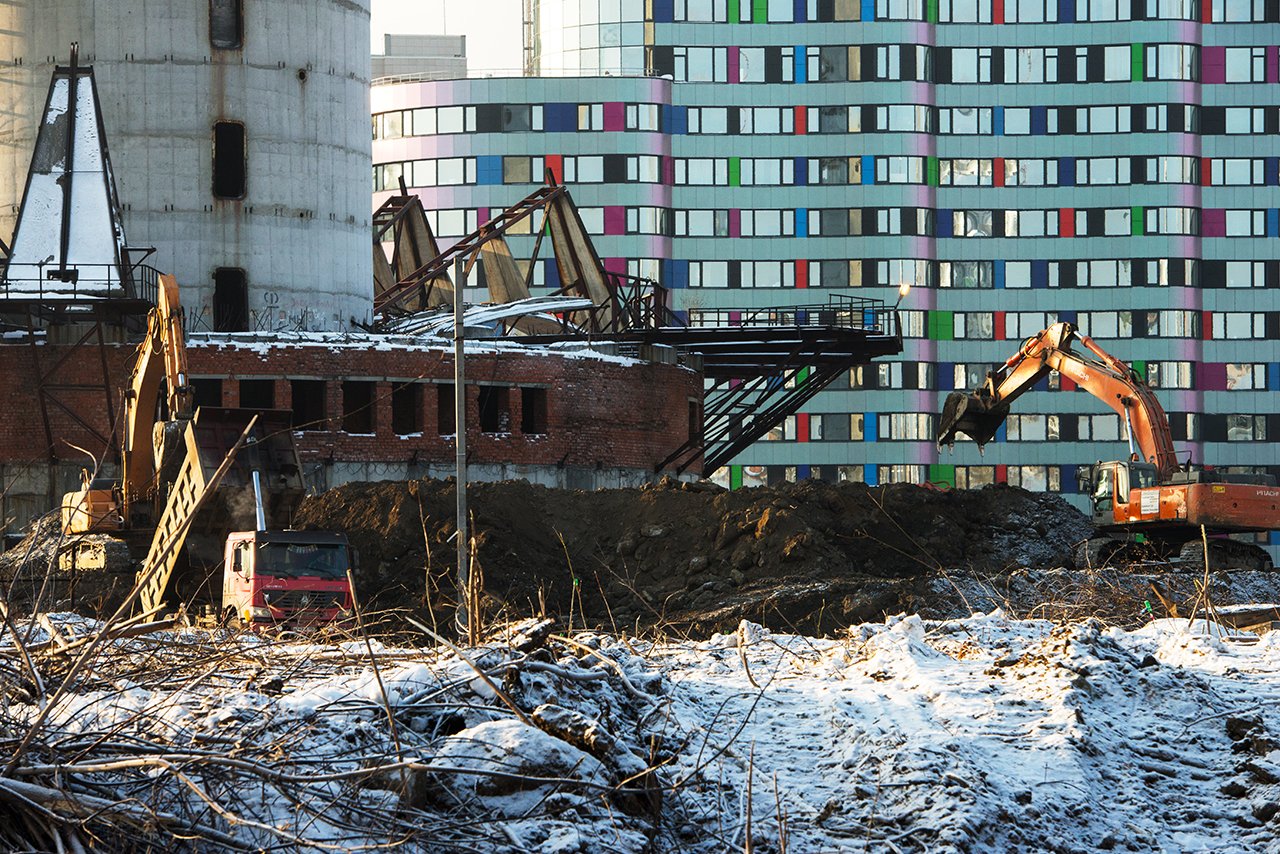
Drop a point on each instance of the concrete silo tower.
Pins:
(239, 136)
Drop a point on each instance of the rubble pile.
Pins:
(811, 557)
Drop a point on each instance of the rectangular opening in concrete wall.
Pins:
(308, 404)
(695, 421)
(206, 391)
(406, 409)
(230, 300)
(533, 411)
(230, 161)
(495, 409)
(257, 394)
(358, 406)
(226, 24)
(446, 424)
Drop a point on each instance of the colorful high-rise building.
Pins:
(1016, 162)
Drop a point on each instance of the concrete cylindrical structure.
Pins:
(277, 239)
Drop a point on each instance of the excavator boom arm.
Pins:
(1107, 378)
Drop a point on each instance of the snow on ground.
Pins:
(977, 734)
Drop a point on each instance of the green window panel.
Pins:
(931, 11)
(1140, 368)
(1137, 225)
(942, 474)
(759, 11)
(733, 11)
(735, 477)
(931, 171)
(1136, 53)
(941, 325)
(802, 376)
(735, 171)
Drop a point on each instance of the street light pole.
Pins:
(460, 442)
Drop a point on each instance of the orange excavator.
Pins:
(1148, 500)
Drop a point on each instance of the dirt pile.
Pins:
(811, 556)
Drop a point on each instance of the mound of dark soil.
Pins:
(811, 556)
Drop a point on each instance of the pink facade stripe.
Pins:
(615, 265)
(1213, 64)
(615, 115)
(1213, 222)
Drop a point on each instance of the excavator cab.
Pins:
(1112, 486)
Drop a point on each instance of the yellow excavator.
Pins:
(196, 492)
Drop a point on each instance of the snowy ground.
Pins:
(981, 734)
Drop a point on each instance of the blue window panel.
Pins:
(997, 121)
(802, 172)
(802, 222)
(1001, 432)
(1069, 483)
(1039, 121)
(1273, 538)
(1066, 171)
(946, 376)
(1068, 316)
(943, 222)
(1271, 171)
(1273, 222)
(870, 423)
(1040, 274)
(802, 64)
(560, 118)
(871, 474)
(803, 472)
(1273, 376)
(800, 15)
(489, 169)
(551, 274)
(998, 269)
(868, 169)
(679, 120)
(664, 11)
(868, 10)
(1066, 11)
(869, 318)
(681, 274)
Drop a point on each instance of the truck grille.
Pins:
(299, 600)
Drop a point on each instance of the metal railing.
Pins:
(50, 282)
(840, 311)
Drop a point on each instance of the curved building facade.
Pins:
(238, 139)
(1017, 162)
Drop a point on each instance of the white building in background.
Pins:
(239, 139)
(421, 56)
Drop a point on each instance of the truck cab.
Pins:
(286, 579)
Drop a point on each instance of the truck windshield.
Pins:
(294, 560)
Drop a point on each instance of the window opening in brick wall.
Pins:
(230, 300)
(226, 24)
(230, 161)
(358, 406)
(495, 409)
(533, 411)
(308, 404)
(695, 421)
(446, 423)
(206, 391)
(406, 409)
(257, 394)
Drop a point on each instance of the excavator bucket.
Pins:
(972, 414)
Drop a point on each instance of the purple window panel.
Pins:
(733, 65)
(735, 223)
(1273, 64)
(615, 219)
(1213, 222)
(1213, 64)
(615, 115)
(1211, 376)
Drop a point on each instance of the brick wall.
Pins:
(599, 412)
